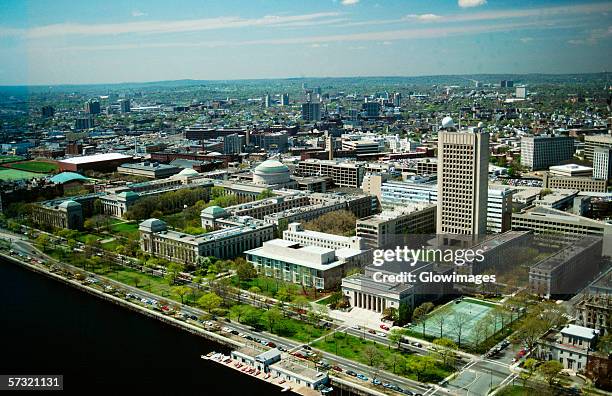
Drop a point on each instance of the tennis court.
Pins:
(463, 314)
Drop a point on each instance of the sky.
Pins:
(48, 42)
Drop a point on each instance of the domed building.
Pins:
(271, 172)
(210, 214)
(448, 122)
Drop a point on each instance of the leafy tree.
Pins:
(265, 194)
(181, 291)
(173, 271)
(272, 317)
(529, 369)
(251, 316)
(446, 349)
(420, 314)
(372, 355)
(459, 320)
(245, 270)
(43, 241)
(209, 301)
(283, 295)
(338, 222)
(301, 303)
(550, 370)
(604, 345)
(395, 336)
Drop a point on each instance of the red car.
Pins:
(337, 368)
(384, 327)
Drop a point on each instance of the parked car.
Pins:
(351, 373)
(384, 327)
(362, 377)
(337, 368)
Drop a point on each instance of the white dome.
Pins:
(188, 172)
(271, 172)
(480, 124)
(447, 122)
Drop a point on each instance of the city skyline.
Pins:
(63, 42)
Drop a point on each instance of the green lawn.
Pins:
(35, 166)
(9, 158)
(84, 236)
(112, 245)
(15, 174)
(126, 230)
(351, 347)
(515, 390)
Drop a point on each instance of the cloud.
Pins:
(160, 27)
(349, 2)
(424, 17)
(386, 43)
(138, 13)
(526, 39)
(471, 3)
(318, 45)
(594, 36)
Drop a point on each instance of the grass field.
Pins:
(9, 158)
(270, 286)
(355, 348)
(127, 230)
(471, 311)
(15, 174)
(35, 166)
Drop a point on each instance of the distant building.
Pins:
(397, 99)
(587, 184)
(343, 173)
(125, 105)
(506, 83)
(360, 147)
(284, 99)
(571, 170)
(99, 162)
(520, 92)
(47, 111)
(602, 163)
(92, 107)
(595, 312)
(233, 144)
(271, 141)
(311, 111)
(540, 152)
(372, 109)
(84, 123)
(296, 233)
(267, 101)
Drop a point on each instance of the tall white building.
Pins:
(463, 166)
(602, 163)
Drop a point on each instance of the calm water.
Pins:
(51, 328)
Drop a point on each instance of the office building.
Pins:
(92, 107)
(311, 111)
(463, 160)
(308, 265)
(267, 101)
(235, 237)
(295, 232)
(397, 99)
(602, 163)
(569, 269)
(586, 184)
(520, 92)
(372, 109)
(343, 173)
(148, 169)
(360, 147)
(284, 99)
(540, 152)
(233, 144)
(571, 170)
(84, 123)
(47, 111)
(271, 141)
(591, 142)
(125, 105)
(595, 312)
(98, 162)
(381, 230)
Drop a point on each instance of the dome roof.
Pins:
(128, 194)
(188, 172)
(271, 166)
(447, 122)
(213, 211)
(66, 177)
(69, 204)
(153, 224)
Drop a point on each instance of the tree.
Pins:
(245, 270)
(272, 317)
(420, 365)
(340, 222)
(530, 331)
(404, 314)
(209, 301)
(420, 314)
(240, 310)
(267, 193)
(43, 241)
(181, 291)
(604, 345)
(173, 271)
(459, 320)
(440, 318)
(395, 336)
(283, 295)
(136, 280)
(372, 355)
(446, 349)
(529, 369)
(301, 303)
(251, 316)
(390, 313)
(550, 370)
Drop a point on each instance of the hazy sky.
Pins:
(51, 42)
